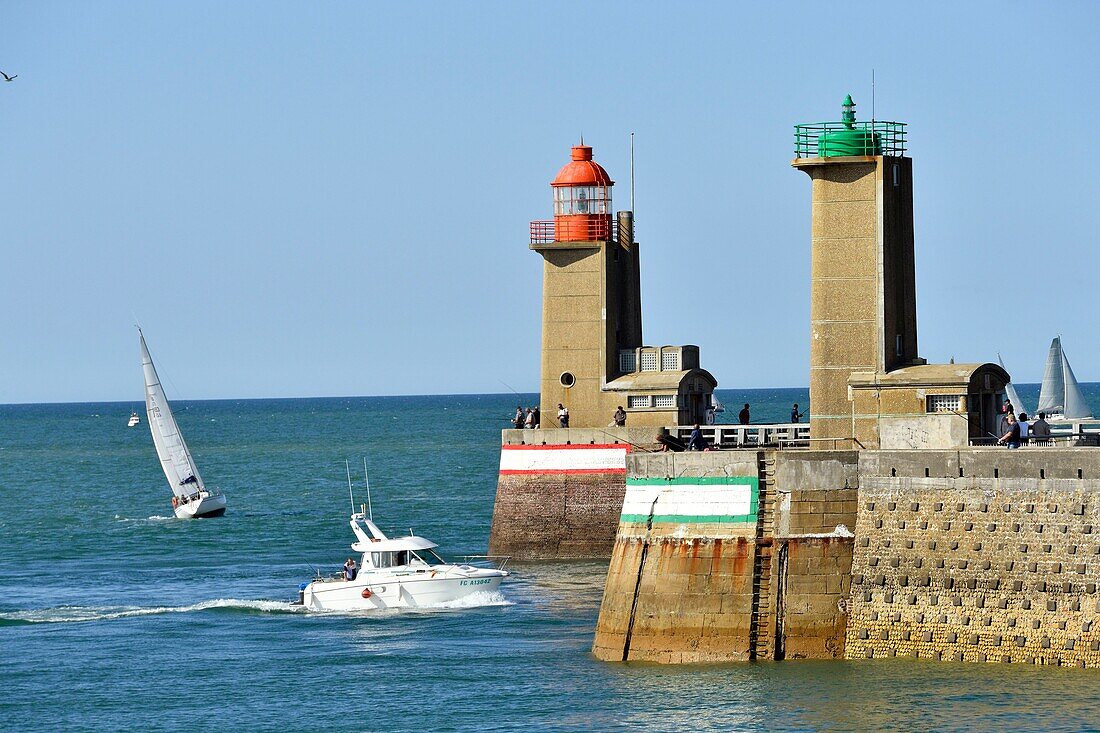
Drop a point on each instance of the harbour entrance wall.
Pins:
(972, 555)
(978, 556)
(560, 491)
(730, 555)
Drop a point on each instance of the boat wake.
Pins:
(474, 600)
(154, 518)
(78, 614)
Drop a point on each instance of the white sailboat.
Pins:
(1013, 395)
(190, 497)
(1060, 396)
(134, 420)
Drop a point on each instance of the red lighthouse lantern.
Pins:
(582, 199)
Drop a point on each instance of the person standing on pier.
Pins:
(529, 421)
(620, 417)
(538, 416)
(795, 414)
(743, 416)
(1011, 438)
(696, 441)
(517, 421)
(563, 415)
(1040, 428)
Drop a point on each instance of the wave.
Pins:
(78, 614)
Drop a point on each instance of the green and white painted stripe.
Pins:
(686, 500)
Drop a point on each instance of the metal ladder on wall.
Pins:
(762, 621)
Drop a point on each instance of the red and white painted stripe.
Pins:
(520, 459)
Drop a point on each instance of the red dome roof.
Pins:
(582, 170)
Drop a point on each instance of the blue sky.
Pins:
(301, 199)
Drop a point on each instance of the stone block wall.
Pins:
(560, 491)
(977, 568)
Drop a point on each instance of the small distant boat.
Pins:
(400, 572)
(1060, 396)
(190, 497)
(134, 420)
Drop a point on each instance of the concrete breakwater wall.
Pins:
(730, 555)
(560, 491)
(972, 555)
(981, 556)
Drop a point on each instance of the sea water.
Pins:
(116, 616)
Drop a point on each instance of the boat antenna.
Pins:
(632, 173)
(366, 478)
(351, 497)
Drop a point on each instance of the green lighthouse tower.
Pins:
(863, 308)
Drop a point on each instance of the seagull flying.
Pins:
(8, 78)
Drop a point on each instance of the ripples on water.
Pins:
(116, 616)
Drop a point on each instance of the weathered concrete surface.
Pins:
(718, 585)
(679, 589)
(814, 608)
(693, 599)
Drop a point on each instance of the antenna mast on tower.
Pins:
(632, 172)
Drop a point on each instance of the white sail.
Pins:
(1013, 395)
(1052, 395)
(1075, 405)
(175, 459)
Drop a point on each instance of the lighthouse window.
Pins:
(670, 361)
(636, 401)
(649, 361)
(664, 400)
(567, 379)
(569, 200)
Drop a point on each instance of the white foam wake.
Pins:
(154, 518)
(75, 614)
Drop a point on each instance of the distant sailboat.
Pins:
(1060, 396)
(190, 499)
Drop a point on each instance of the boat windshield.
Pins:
(429, 557)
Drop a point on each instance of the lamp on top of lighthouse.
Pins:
(582, 199)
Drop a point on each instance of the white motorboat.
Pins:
(134, 420)
(402, 572)
(190, 497)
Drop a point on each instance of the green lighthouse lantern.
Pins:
(852, 139)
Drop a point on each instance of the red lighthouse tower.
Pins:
(593, 358)
(582, 199)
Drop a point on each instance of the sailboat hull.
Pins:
(212, 505)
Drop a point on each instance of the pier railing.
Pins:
(1064, 435)
(780, 435)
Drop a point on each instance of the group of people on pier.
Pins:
(531, 418)
(1016, 429)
